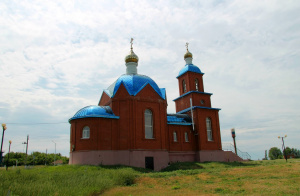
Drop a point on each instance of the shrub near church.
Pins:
(36, 158)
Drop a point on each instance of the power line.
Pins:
(17, 145)
(37, 123)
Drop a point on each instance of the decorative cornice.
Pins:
(190, 93)
(196, 107)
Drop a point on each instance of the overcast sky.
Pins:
(56, 57)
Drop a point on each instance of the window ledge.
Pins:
(85, 138)
(149, 138)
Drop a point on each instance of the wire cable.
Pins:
(36, 123)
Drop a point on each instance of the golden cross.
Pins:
(187, 46)
(131, 42)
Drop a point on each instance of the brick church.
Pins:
(131, 126)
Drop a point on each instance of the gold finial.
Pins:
(187, 54)
(131, 42)
(131, 57)
(187, 46)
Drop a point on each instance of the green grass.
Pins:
(213, 178)
(64, 180)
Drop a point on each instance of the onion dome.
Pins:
(188, 54)
(131, 57)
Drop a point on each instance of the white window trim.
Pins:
(86, 130)
(184, 86)
(209, 130)
(149, 126)
(186, 137)
(175, 137)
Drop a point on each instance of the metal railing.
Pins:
(230, 147)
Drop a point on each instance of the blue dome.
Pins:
(94, 111)
(134, 84)
(191, 68)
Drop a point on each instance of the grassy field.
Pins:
(248, 178)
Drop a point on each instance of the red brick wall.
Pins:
(204, 144)
(184, 102)
(181, 144)
(189, 78)
(131, 111)
(101, 131)
(104, 100)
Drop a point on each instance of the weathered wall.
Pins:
(122, 157)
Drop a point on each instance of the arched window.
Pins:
(184, 86)
(186, 137)
(175, 136)
(209, 130)
(148, 124)
(85, 132)
(196, 84)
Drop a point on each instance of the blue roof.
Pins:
(191, 68)
(192, 92)
(94, 111)
(195, 107)
(134, 83)
(179, 119)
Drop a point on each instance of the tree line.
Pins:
(35, 158)
(276, 153)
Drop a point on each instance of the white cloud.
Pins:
(57, 56)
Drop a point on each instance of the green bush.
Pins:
(275, 153)
(36, 158)
(124, 177)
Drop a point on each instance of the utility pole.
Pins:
(26, 149)
(233, 136)
(283, 147)
(1, 155)
(55, 152)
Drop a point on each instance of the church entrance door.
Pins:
(149, 163)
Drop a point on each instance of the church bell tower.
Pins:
(193, 98)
